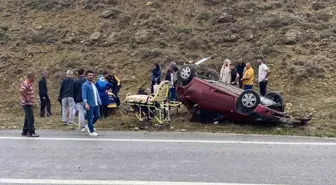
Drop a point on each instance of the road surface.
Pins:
(161, 158)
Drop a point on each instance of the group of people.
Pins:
(83, 95)
(90, 98)
(74, 96)
(243, 74)
(171, 76)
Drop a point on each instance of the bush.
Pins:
(278, 21)
(204, 16)
(47, 5)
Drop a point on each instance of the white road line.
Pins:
(96, 182)
(174, 141)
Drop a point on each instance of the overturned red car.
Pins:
(204, 98)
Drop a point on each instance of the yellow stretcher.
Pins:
(157, 106)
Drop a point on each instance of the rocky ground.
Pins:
(297, 37)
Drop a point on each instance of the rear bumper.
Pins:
(265, 114)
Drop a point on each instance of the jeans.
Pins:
(246, 87)
(172, 94)
(92, 117)
(45, 103)
(28, 126)
(68, 103)
(81, 114)
(263, 86)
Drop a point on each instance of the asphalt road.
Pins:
(135, 158)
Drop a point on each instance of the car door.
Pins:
(215, 98)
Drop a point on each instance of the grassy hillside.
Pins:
(297, 37)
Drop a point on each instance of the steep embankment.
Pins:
(297, 37)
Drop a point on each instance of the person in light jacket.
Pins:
(225, 73)
(91, 102)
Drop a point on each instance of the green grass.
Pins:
(120, 121)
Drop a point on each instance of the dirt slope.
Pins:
(297, 37)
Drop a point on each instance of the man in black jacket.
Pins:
(77, 90)
(43, 93)
(240, 69)
(67, 95)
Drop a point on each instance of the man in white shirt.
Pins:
(262, 76)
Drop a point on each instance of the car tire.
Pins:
(187, 73)
(211, 74)
(277, 98)
(247, 101)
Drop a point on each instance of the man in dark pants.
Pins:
(27, 102)
(234, 75)
(113, 79)
(240, 69)
(262, 76)
(43, 93)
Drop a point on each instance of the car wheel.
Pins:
(187, 73)
(212, 75)
(247, 101)
(277, 98)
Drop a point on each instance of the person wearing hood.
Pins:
(156, 76)
(103, 86)
(225, 73)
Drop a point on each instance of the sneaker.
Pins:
(24, 134)
(87, 129)
(94, 134)
(65, 123)
(33, 135)
(84, 129)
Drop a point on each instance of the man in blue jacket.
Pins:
(91, 101)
